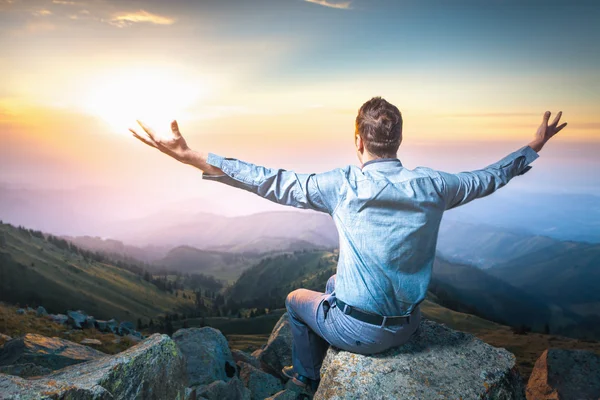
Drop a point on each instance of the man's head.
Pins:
(378, 130)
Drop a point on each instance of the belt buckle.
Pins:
(347, 307)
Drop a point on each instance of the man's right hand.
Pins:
(545, 131)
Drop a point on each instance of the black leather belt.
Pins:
(371, 318)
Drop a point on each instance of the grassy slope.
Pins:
(35, 272)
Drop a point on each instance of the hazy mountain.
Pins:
(222, 265)
(485, 245)
(205, 230)
(568, 274)
(477, 292)
(111, 246)
(560, 216)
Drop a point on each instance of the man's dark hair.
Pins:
(379, 125)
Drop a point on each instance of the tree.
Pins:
(140, 326)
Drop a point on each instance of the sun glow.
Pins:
(155, 96)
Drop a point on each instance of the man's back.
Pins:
(387, 217)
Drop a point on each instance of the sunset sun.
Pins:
(157, 96)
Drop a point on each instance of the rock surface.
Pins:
(52, 353)
(41, 312)
(437, 362)
(260, 383)
(565, 374)
(278, 351)
(4, 339)
(241, 356)
(76, 318)
(91, 342)
(207, 355)
(25, 370)
(154, 369)
(221, 390)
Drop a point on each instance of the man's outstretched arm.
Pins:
(461, 188)
(312, 191)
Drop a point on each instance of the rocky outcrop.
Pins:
(242, 356)
(220, 390)
(154, 369)
(561, 374)
(207, 355)
(278, 351)
(52, 353)
(77, 319)
(4, 339)
(41, 312)
(25, 370)
(437, 362)
(59, 318)
(260, 383)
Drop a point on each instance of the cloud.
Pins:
(66, 3)
(42, 13)
(345, 5)
(128, 18)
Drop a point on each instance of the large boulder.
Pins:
(260, 383)
(52, 353)
(41, 312)
(207, 355)
(242, 356)
(221, 390)
(437, 362)
(24, 370)
(154, 369)
(565, 374)
(77, 319)
(4, 339)
(278, 351)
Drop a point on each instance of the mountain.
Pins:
(561, 216)
(486, 246)
(222, 265)
(110, 246)
(567, 274)
(469, 289)
(206, 231)
(35, 271)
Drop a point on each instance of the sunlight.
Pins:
(155, 96)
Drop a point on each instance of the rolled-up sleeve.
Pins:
(463, 187)
(317, 191)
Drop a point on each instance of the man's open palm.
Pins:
(545, 131)
(174, 145)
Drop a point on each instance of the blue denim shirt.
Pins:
(387, 217)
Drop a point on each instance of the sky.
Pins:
(279, 82)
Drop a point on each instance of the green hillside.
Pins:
(34, 271)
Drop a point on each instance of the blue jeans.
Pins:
(316, 325)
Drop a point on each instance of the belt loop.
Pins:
(383, 323)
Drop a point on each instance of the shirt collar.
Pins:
(382, 163)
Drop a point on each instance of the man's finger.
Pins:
(557, 118)
(546, 116)
(148, 142)
(558, 128)
(175, 129)
(148, 130)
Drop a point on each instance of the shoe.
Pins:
(300, 380)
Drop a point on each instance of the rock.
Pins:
(565, 374)
(260, 383)
(113, 326)
(59, 318)
(21, 311)
(154, 369)
(25, 370)
(241, 356)
(437, 362)
(134, 338)
(30, 310)
(4, 339)
(41, 312)
(93, 342)
(256, 354)
(207, 354)
(126, 328)
(90, 322)
(220, 390)
(53, 353)
(278, 351)
(285, 395)
(77, 319)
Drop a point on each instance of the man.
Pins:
(387, 217)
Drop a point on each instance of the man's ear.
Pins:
(359, 143)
